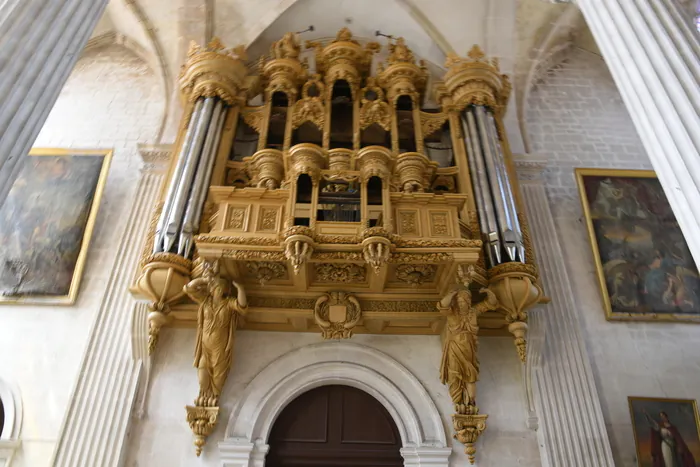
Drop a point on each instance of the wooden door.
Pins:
(334, 426)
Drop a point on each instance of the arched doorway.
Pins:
(334, 426)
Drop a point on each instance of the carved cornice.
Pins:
(156, 157)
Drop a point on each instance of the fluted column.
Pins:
(98, 416)
(571, 426)
(40, 41)
(654, 56)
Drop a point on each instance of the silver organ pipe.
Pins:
(185, 182)
(198, 195)
(177, 173)
(492, 188)
(489, 226)
(510, 199)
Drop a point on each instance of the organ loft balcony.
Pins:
(334, 182)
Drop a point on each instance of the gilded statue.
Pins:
(460, 364)
(399, 52)
(287, 47)
(216, 326)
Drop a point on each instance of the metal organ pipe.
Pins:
(177, 173)
(193, 213)
(480, 181)
(185, 182)
(510, 199)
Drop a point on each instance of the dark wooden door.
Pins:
(334, 426)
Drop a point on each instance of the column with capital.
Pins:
(653, 54)
(40, 41)
(563, 401)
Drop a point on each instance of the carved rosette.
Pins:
(307, 159)
(517, 290)
(477, 80)
(161, 282)
(414, 171)
(468, 428)
(376, 247)
(202, 421)
(337, 313)
(375, 161)
(214, 71)
(267, 168)
(416, 274)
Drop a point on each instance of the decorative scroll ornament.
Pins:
(254, 117)
(414, 171)
(374, 108)
(310, 107)
(376, 247)
(432, 122)
(214, 71)
(416, 274)
(217, 319)
(308, 159)
(460, 364)
(267, 168)
(298, 249)
(375, 161)
(336, 314)
(265, 271)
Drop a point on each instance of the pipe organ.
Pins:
(330, 202)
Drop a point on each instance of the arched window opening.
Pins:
(334, 426)
(438, 146)
(406, 129)
(375, 135)
(302, 210)
(338, 201)
(307, 132)
(245, 143)
(341, 115)
(278, 120)
(374, 201)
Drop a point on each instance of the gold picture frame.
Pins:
(645, 270)
(680, 423)
(34, 244)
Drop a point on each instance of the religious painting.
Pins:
(46, 223)
(665, 432)
(644, 266)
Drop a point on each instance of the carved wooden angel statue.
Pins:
(216, 324)
(460, 364)
(287, 47)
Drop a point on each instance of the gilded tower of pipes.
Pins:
(324, 199)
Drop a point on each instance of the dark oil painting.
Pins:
(644, 265)
(665, 432)
(45, 225)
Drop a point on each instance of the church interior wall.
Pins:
(112, 100)
(576, 118)
(162, 437)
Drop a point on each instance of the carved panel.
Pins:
(268, 219)
(344, 273)
(416, 274)
(265, 271)
(236, 218)
(408, 222)
(440, 224)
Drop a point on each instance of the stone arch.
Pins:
(12, 425)
(394, 386)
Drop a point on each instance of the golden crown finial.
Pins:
(475, 53)
(344, 35)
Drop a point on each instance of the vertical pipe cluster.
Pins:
(182, 209)
(498, 217)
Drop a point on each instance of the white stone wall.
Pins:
(162, 437)
(576, 118)
(112, 100)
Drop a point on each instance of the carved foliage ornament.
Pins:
(416, 274)
(336, 314)
(345, 273)
(265, 271)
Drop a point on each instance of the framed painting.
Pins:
(666, 431)
(46, 223)
(643, 263)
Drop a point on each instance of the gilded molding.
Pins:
(344, 273)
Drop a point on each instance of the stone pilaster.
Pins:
(40, 41)
(98, 416)
(564, 404)
(654, 56)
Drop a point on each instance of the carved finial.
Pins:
(287, 47)
(343, 35)
(399, 52)
(475, 53)
(194, 49)
(215, 44)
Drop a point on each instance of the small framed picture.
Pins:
(666, 432)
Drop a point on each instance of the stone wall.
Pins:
(576, 118)
(162, 437)
(112, 100)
